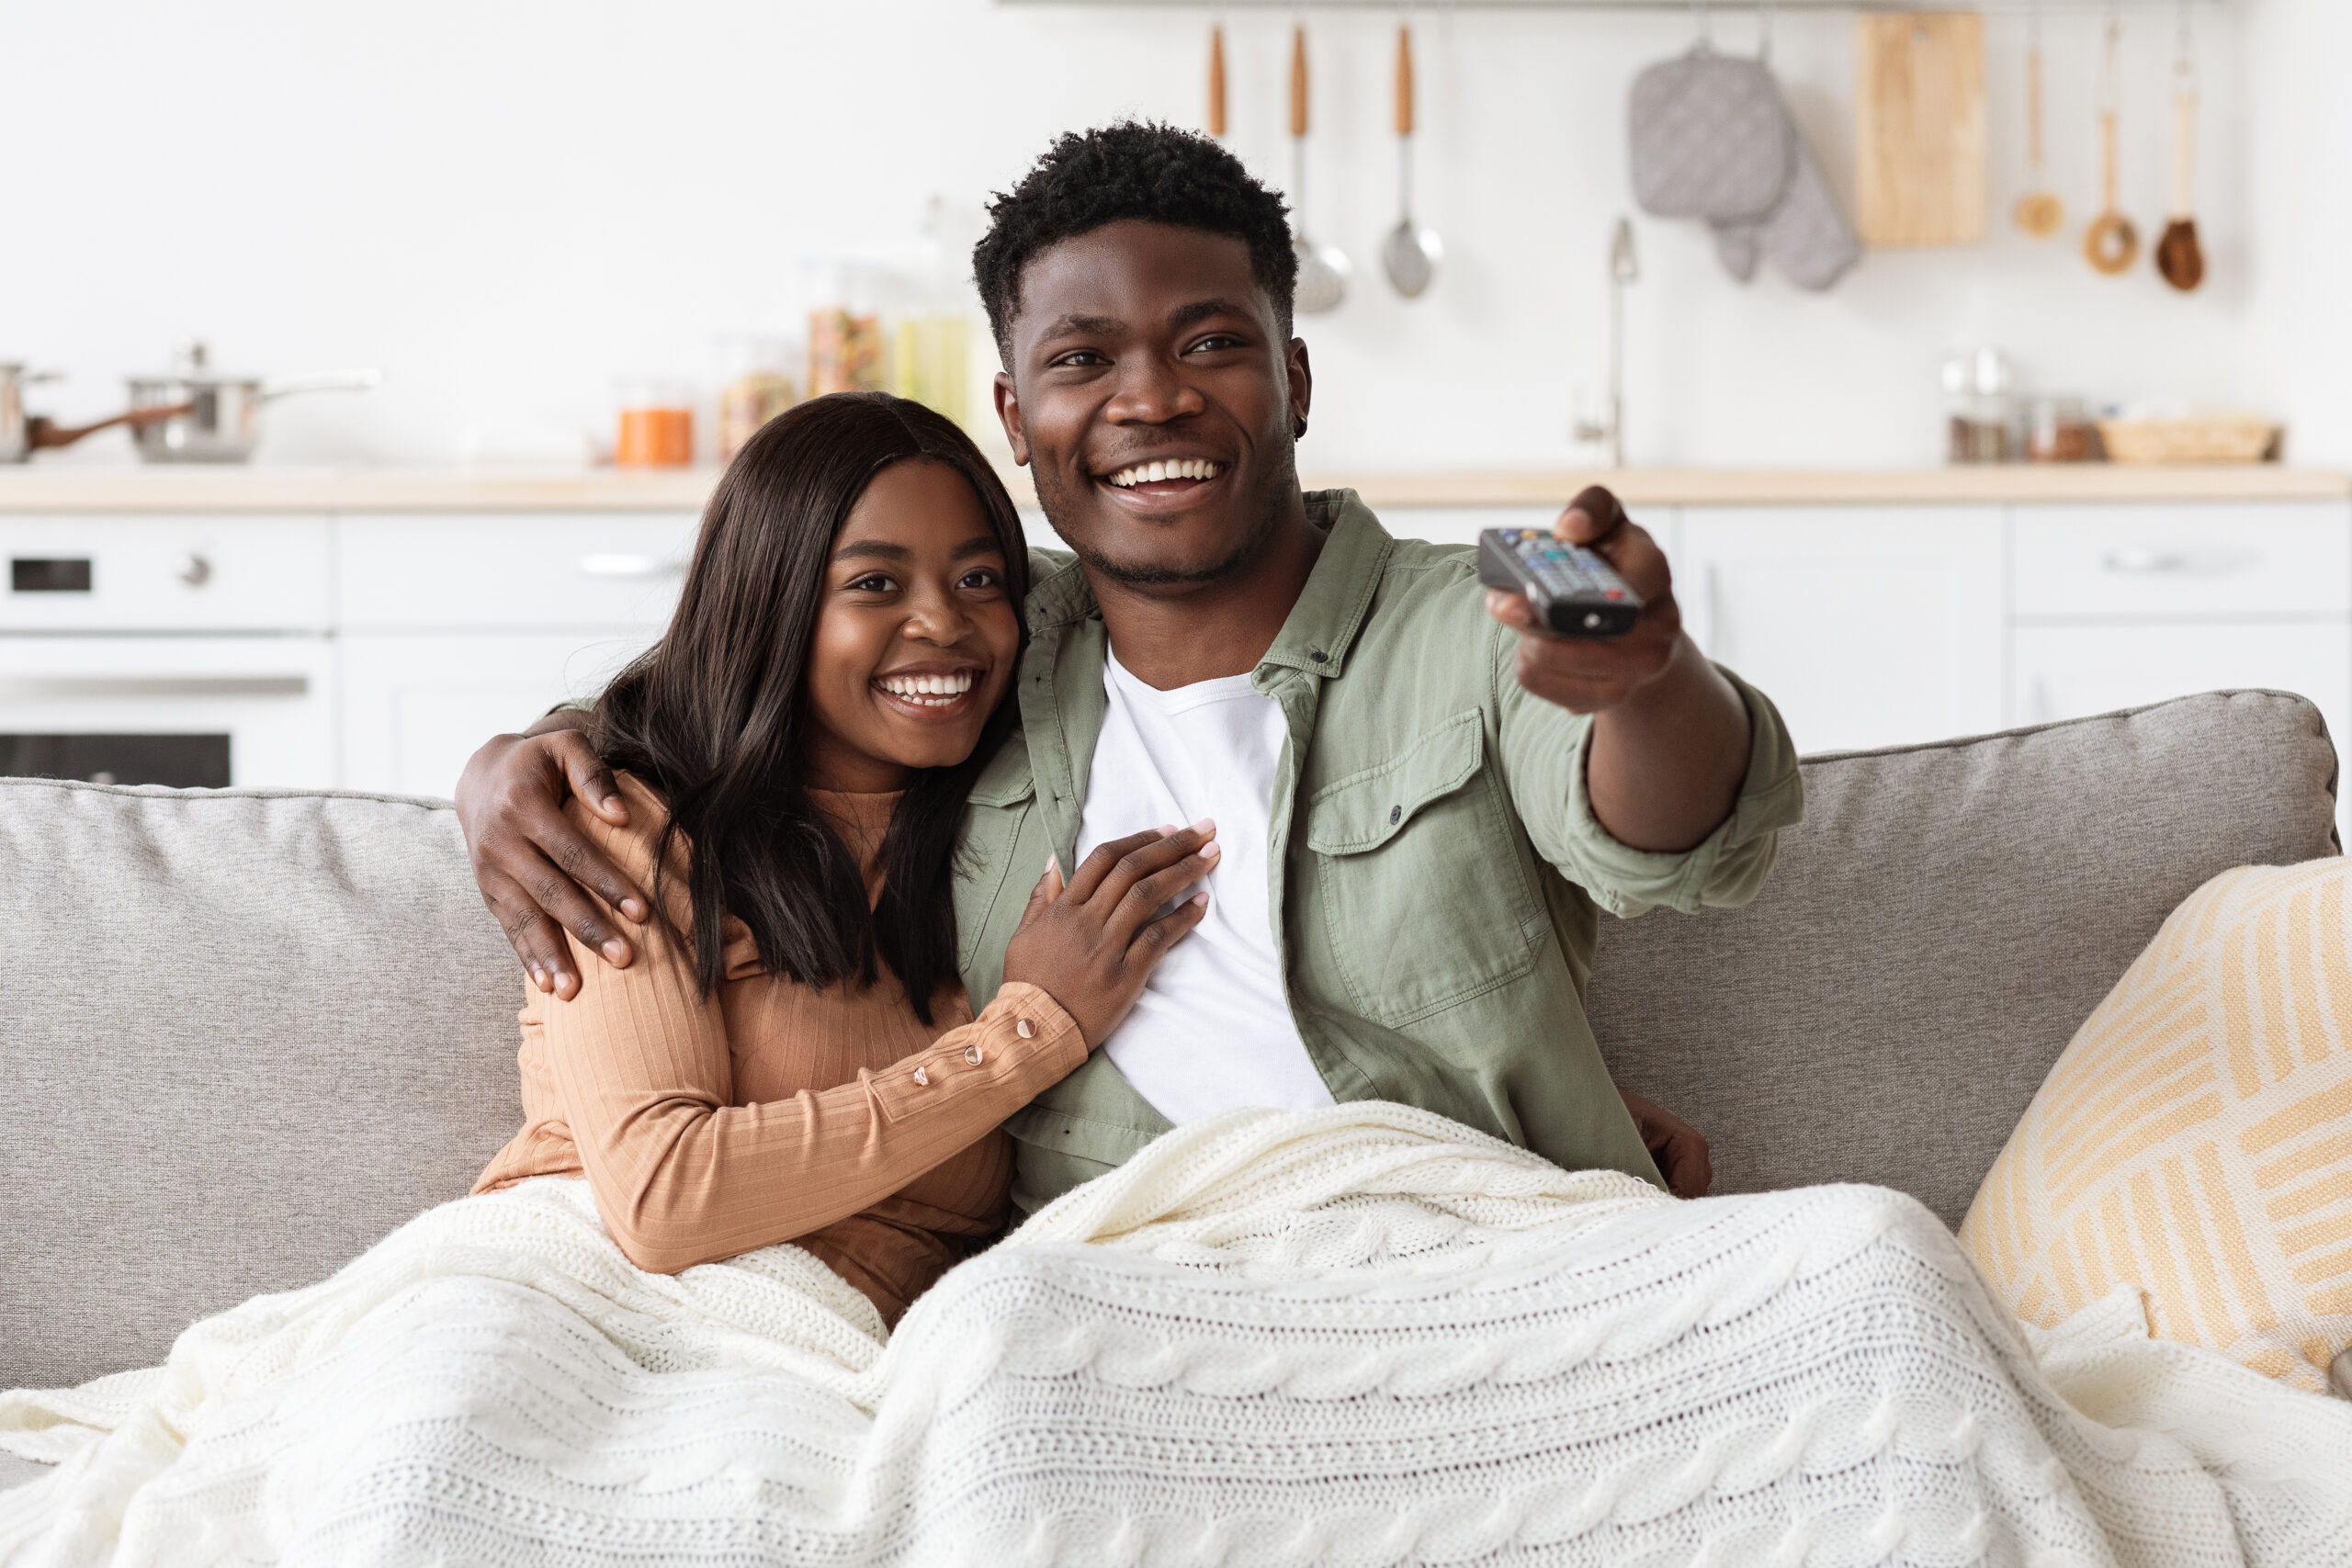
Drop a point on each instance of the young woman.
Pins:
(792, 1057)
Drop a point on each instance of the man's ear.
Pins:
(1302, 378)
(1008, 413)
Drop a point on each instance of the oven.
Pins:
(188, 651)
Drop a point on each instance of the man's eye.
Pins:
(1085, 358)
(1213, 342)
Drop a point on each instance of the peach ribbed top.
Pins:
(773, 1110)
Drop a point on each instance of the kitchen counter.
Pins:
(38, 488)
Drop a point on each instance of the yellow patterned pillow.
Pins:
(2195, 1137)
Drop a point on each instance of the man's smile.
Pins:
(1164, 480)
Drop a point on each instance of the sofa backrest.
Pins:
(1937, 927)
(247, 1035)
(244, 1034)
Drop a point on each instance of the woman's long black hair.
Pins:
(714, 715)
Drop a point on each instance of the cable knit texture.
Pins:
(1362, 1335)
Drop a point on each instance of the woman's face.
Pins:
(917, 633)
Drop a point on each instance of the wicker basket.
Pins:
(2220, 439)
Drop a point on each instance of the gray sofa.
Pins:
(247, 1033)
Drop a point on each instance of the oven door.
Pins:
(191, 712)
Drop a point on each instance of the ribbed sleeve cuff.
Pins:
(1022, 1042)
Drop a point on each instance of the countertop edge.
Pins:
(66, 490)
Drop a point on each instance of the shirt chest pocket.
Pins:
(1425, 897)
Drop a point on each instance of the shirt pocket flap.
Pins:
(1366, 809)
(1007, 778)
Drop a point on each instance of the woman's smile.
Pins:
(931, 692)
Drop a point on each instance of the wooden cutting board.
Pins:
(1920, 129)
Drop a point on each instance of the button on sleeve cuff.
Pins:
(988, 1068)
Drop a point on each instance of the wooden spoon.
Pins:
(1216, 82)
(2038, 211)
(2179, 258)
(2111, 245)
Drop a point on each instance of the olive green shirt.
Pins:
(1436, 867)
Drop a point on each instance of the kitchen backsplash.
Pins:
(511, 216)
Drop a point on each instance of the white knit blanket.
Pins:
(1355, 1336)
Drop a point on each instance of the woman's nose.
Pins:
(937, 618)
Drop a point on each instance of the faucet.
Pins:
(1622, 269)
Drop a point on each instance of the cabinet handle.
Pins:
(195, 569)
(85, 688)
(629, 566)
(2141, 561)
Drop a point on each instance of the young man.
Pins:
(1423, 802)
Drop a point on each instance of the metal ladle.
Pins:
(1323, 270)
(1411, 253)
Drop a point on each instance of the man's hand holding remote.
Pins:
(1670, 735)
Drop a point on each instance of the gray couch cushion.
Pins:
(246, 1035)
(1937, 929)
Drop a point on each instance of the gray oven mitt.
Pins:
(1740, 244)
(1805, 234)
(1708, 137)
(1807, 237)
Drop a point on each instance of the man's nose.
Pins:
(1152, 390)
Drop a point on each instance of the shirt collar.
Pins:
(1331, 611)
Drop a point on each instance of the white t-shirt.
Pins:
(1212, 1030)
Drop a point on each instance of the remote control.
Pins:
(1573, 590)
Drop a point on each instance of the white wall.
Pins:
(2298, 175)
(508, 205)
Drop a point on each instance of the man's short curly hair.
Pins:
(1134, 169)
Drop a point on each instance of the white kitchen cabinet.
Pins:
(140, 574)
(500, 569)
(2120, 563)
(416, 706)
(1461, 524)
(259, 710)
(1865, 626)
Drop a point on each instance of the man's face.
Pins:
(1143, 349)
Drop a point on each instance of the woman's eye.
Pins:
(982, 577)
(872, 582)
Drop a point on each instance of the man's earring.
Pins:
(1298, 428)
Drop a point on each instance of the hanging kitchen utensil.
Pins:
(1707, 137)
(194, 413)
(1805, 234)
(1920, 129)
(2179, 258)
(2038, 211)
(1411, 253)
(2110, 244)
(1322, 269)
(1216, 82)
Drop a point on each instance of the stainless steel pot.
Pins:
(197, 414)
(15, 432)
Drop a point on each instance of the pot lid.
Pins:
(192, 367)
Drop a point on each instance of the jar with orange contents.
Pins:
(657, 426)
